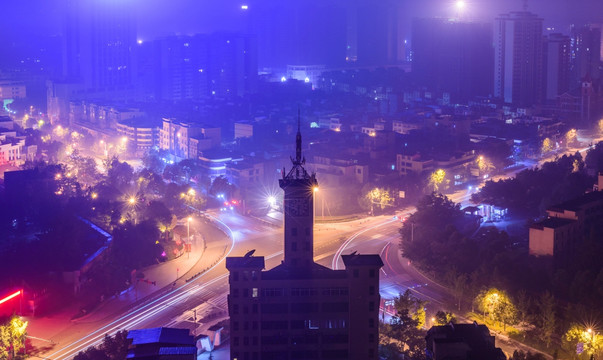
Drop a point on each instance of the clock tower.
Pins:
(299, 187)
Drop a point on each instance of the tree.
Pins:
(405, 333)
(523, 302)
(436, 179)
(546, 317)
(592, 342)
(459, 284)
(497, 304)
(12, 337)
(547, 145)
(444, 317)
(120, 174)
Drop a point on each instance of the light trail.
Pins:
(335, 261)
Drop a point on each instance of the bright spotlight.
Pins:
(460, 4)
(271, 200)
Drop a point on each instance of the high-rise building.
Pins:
(99, 46)
(453, 56)
(187, 67)
(232, 64)
(518, 62)
(376, 32)
(585, 53)
(557, 54)
(300, 309)
(293, 32)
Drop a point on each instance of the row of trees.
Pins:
(532, 191)
(431, 239)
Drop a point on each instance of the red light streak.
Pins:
(10, 297)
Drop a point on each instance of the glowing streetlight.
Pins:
(94, 195)
(132, 200)
(192, 192)
(271, 201)
(244, 7)
(460, 5)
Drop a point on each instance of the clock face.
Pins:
(297, 207)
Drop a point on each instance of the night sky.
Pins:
(161, 17)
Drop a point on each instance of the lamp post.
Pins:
(188, 236)
(314, 191)
(592, 343)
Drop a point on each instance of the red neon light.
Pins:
(10, 297)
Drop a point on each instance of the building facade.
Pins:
(453, 56)
(300, 309)
(185, 140)
(557, 55)
(518, 65)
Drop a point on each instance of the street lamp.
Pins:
(188, 235)
(314, 191)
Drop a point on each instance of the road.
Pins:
(206, 294)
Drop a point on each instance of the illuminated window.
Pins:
(254, 292)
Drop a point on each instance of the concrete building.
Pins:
(404, 127)
(567, 224)
(557, 55)
(453, 56)
(185, 140)
(333, 171)
(462, 341)
(300, 309)
(142, 134)
(585, 53)
(99, 45)
(12, 90)
(243, 130)
(518, 66)
(13, 151)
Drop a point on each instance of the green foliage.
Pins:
(405, 333)
(444, 317)
(13, 335)
(592, 341)
(533, 190)
(546, 319)
(497, 305)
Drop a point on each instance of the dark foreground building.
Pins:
(161, 344)
(300, 309)
(462, 342)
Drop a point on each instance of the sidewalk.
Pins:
(52, 328)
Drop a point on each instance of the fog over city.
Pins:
(301, 179)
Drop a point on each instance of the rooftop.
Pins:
(316, 271)
(577, 203)
(552, 223)
(362, 260)
(256, 262)
(161, 335)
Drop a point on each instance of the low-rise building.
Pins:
(462, 341)
(13, 150)
(10, 89)
(186, 140)
(142, 133)
(566, 226)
